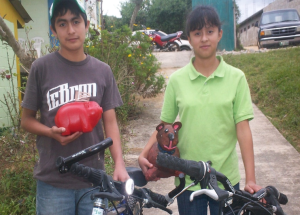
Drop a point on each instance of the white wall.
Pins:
(5, 84)
(38, 11)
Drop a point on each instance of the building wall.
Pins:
(283, 4)
(7, 55)
(248, 32)
(92, 9)
(38, 11)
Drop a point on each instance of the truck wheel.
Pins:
(258, 45)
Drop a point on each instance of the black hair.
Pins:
(63, 7)
(200, 17)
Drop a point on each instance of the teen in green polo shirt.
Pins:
(213, 101)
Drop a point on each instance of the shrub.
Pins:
(17, 192)
(133, 65)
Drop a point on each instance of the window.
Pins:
(245, 29)
(248, 26)
(242, 31)
(279, 16)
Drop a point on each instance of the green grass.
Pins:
(274, 81)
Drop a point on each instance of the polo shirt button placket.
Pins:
(205, 88)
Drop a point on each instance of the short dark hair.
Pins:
(63, 7)
(200, 17)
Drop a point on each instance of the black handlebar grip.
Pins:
(282, 198)
(191, 168)
(94, 176)
(272, 198)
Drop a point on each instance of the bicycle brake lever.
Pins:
(150, 203)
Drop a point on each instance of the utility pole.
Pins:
(100, 3)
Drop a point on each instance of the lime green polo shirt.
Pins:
(209, 109)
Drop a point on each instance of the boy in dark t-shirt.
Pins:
(52, 82)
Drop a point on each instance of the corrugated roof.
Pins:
(258, 13)
(21, 10)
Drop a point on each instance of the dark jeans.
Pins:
(199, 205)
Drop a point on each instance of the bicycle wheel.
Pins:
(135, 205)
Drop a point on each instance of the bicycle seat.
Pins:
(137, 175)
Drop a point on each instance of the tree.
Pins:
(7, 36)
(167, 15)
(127, 9)
(138, 5)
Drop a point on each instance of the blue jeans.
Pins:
(199, 205)
(58, 201)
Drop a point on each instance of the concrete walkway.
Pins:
(277, 162)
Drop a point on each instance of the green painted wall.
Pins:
(5, 84)
(38, 11)
(225, 10)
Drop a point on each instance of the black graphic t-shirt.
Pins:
(53, 82)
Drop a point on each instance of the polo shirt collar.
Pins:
(219, 72)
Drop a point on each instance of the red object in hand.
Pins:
(78, 116)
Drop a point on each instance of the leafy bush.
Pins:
(133, 65)
(17, 192)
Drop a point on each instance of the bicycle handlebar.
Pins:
(274, 197)
(110, 189)
(114, 190)
(64, 164)
(191, 168)
(201, 171)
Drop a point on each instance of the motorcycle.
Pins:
(163, 43)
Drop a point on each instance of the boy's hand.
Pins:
(120, 174)
(64, 140)
(144, 164)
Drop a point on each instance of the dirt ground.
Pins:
(139, 132)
